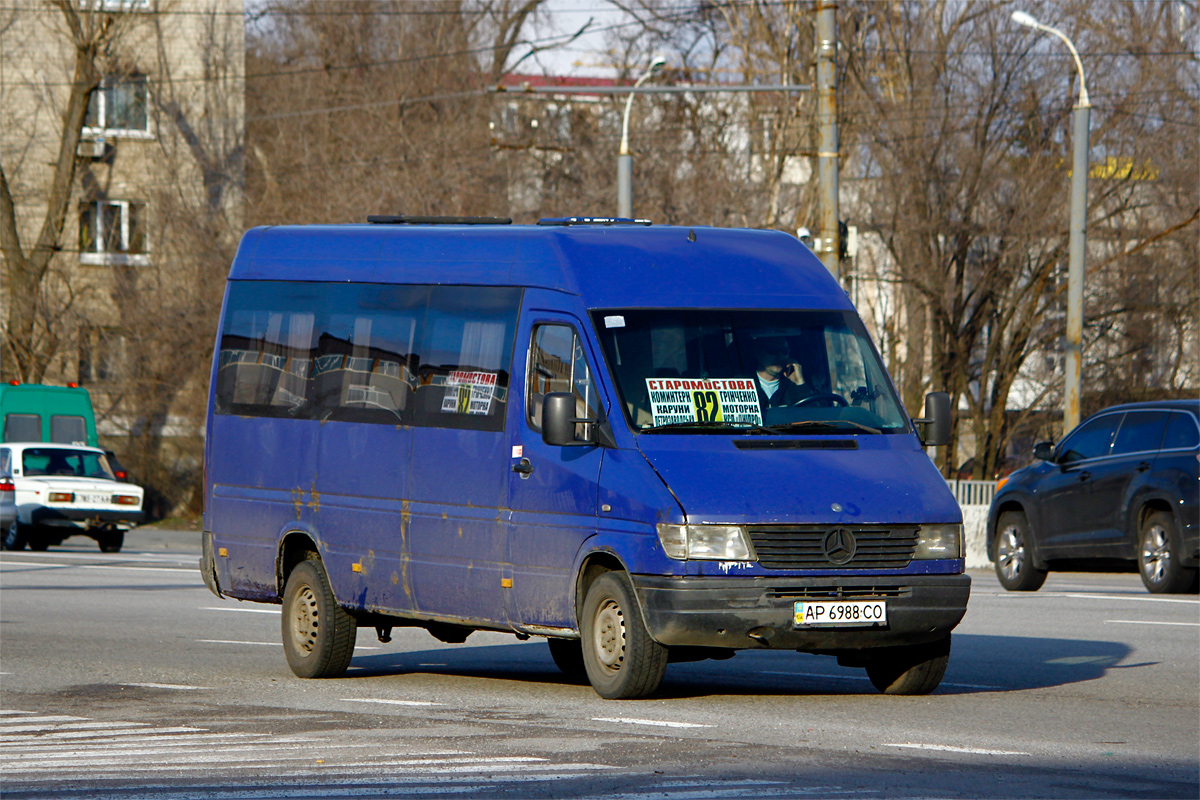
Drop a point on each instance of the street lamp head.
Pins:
(1021, 18)
(657, 63)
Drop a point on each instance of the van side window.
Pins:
(1182, 433)
(66, 429)
(557, 364)
(465, 352)
(22, 428)
(5, 461)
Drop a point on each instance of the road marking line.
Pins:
(4, 711)
(865, 678)
(68, 726)
(951, 749)
(59, 718)
(270, 644)
(56, 741)
(120, 749)
(167, 686)
(390, 702)
(276, 611)
(1135, 598)
(655, 722)
(1148, 622)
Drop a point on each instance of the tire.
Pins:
(318, 634)
(111, 542)
(1158, 562)
(911, 670)
(568, 656)
(38, 541)
(621, 660)
(14, 537)
(1014, 554)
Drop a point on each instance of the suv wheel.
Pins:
(1158, 562)
(1014, 554)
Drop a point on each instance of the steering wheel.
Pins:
(833, 398)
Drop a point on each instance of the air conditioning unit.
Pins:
(91, 148)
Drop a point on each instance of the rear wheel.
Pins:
(568, 656)
(14, 537)
(1158, 561)
(913, 669)
(318, 634)
(1014, 554)
(111, 542)
(621, 659)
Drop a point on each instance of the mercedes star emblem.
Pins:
(840, 546)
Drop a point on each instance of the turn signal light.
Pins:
(126, 499)
(60, 497)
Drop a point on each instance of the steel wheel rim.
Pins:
(1156, 553)
(1011, 553)
(609, 636)
(304, 620)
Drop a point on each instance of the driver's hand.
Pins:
(793, 373)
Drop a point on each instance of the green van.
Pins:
(33, 412)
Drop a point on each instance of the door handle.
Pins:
(1142, 467)
(1084, 476)
(523, 468)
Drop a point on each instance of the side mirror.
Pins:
(937, 419)
(558, 419)
(1044, 451)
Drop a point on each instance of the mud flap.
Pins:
(208, 567)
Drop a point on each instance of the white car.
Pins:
(64, 490)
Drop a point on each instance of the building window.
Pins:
(101, 355)
(119, 107)
(113, 232)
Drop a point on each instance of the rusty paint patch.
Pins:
(395, 579)
(297, 500)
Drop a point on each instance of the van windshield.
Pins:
(747, 371)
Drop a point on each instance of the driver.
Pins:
(777, 377)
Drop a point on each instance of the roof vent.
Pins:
(407, 219)
(593, 221)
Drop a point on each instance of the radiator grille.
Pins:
(803, 547)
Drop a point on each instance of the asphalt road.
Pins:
(121, 676)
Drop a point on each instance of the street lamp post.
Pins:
(1081, 119)
(624, 159)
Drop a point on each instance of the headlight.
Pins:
(705, 542)
(939, 541)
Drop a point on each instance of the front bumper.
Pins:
(740, 613)
(85, 517)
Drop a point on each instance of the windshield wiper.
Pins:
(750, 427)
(832, 424)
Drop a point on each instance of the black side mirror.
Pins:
(558, 419)
(1044, 451)
(936, 423)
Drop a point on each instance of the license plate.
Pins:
(94, 499)
(839, 613)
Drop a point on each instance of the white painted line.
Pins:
(865, 678)
(1133, 597)
(1147, 622)
(269, 644)
(56, 741)
(68, 726)
(5, 711)
(276, 610)
(195, 572)
(167, 686)
(121, 749)
(390, 702)
(951, 749)
(59, 718)
(654, 722)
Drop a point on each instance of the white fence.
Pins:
(974, 497)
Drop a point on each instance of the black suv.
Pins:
(1122, 487)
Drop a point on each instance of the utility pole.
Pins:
(827, 148)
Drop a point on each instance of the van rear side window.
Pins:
(66, 429)
(22, 428)
(421, 355)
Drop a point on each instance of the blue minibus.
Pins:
(642, 443)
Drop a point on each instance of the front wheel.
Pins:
(1014, 555)
(318, 634)
(621, 659)
(912, 669)
(1158, 561)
